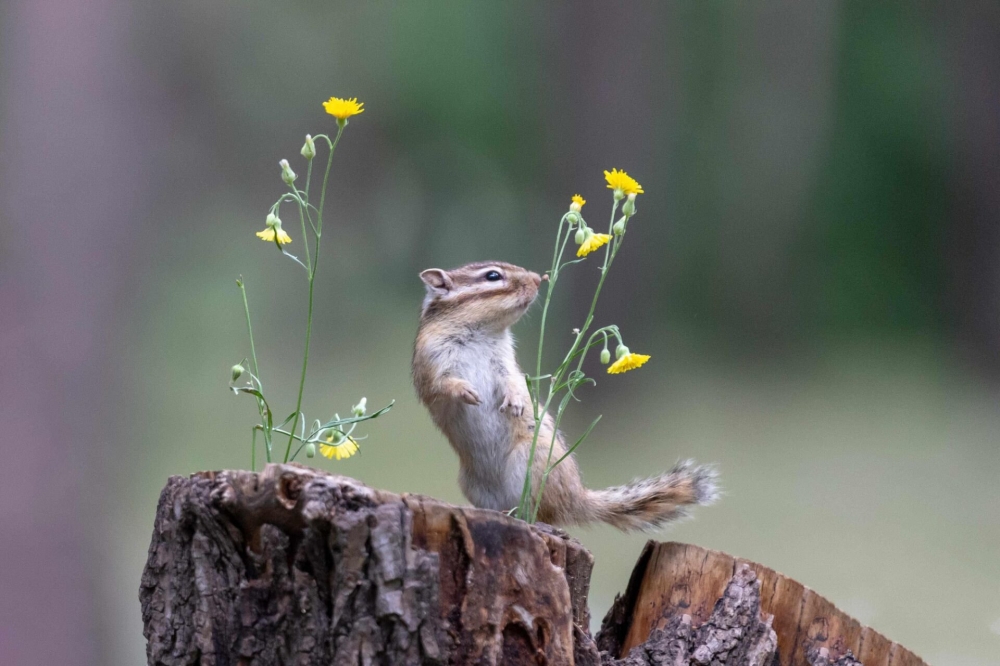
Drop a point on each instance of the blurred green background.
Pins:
(814, 269)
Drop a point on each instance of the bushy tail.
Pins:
(646, 504)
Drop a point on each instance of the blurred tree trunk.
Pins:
(294, 566)
(971, 232)
(73, 181)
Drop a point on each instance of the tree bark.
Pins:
(735, 632)
(296, 566)
(675, 581)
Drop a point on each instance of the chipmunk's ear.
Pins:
(438, 281)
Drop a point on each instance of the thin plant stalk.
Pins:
(528, 506)
(312, 281)
(557, 252)
(256, 372)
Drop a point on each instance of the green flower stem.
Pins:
(557, 252)
(553, 276)
(312, 282)
(528, 506)
(256, 372)
(545, 475)
(305, 359)
(317, 440)
(305, 239)
(309, 173)
(524, 509)
(593, 343)
(302, 199)
(326, 176)
(608, 258)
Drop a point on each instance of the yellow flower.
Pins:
(592, 243)
(273, 228)
(619, 180)
(345, 449)
(580, 201)
(269, 233)
(627, 362)
(342, 109)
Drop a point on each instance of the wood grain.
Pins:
(681, 579)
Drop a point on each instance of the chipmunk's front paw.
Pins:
(463, 391)
(469, 396)
(459, 389)
(512, 403)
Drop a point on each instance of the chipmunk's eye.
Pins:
(493, 276)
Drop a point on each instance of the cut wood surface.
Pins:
(735, 632)
(675, 579)
(296, 566)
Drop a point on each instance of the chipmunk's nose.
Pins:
(536, 278)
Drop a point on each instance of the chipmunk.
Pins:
(466, 373)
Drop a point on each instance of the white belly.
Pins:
(482, 435)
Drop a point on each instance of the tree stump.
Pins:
(296, 566)
(686, 585)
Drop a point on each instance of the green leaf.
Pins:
(576, 444)
(288, 418)
(357, 419)
(537, 379)
(570, 263)
(260, 396)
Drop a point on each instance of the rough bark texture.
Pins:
(674, 580)
(295, 566)
(735, 632)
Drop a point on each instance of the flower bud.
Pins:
(572, 217)
(575, 207)
(605, 356)
(287, 174)
(308, 148)
(621, 351)
(581, 235)
(360, 408)
(272, 221)
(629, 207)
(619, 227)
(237, 371)
(310, 450)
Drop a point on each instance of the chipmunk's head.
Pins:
(488, 294)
